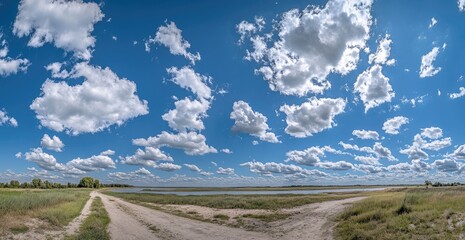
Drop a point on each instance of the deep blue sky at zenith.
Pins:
(266, 92)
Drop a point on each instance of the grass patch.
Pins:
(57, 207)
(221, 217)
(406, 214)
(154, 228)
(95, 225)
(273, 202)
(268, 217)
(19, 229)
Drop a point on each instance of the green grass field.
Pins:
(435, 213)
(273, 202)
(56, 207)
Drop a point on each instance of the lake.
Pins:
(265, 192)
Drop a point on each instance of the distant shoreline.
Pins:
(268, 188)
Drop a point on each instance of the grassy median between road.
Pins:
(435, 213)
(55, 207)
(95, 225)
(272, 202)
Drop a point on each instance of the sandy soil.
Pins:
(36, 226)
(312, 221)
(130, 221)
(200, 212)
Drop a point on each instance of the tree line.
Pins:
(85, 182)
(440, 184)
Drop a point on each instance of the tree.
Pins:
(47, 184)
(36, 183)
(14, 184)
(86, 182)
(428, 183)
(96, 183)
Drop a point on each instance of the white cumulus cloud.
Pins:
(5, 119)
(226, 150)
(461, 4)
(415, 152)
(312, 116)
(102, 100)
(43, 159)
(245, 28)
(187, 78)
(254, 123)
(187, 115)
(56, 69)
(191, 143)
(393, 125)
(366, 134)
(72, 168)
(427, 69)
(52, 143)
(225, 171)
(167, 167)
(373, 87)
(437, 145)
(460, 94)
(66, 24)
(311, 44)
(431, 132)
(138, 175)
(382, 52)
(337, 166)
(10, 65)
(195, 168)
(148, 157)
(95, 163)
(448, 165)
(269, 168)
(170, 36)
(310, 156)
(459, 153)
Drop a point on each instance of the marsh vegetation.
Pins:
(51, 208)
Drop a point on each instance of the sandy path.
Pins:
(131, 221)
(314, 221)
(74, 225)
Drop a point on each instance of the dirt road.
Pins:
(313, 221)
(131, 221)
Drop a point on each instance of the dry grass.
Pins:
(54, 208)
(270, 217)
(272, 202)
(437, 213)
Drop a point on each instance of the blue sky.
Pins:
(209, 93)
